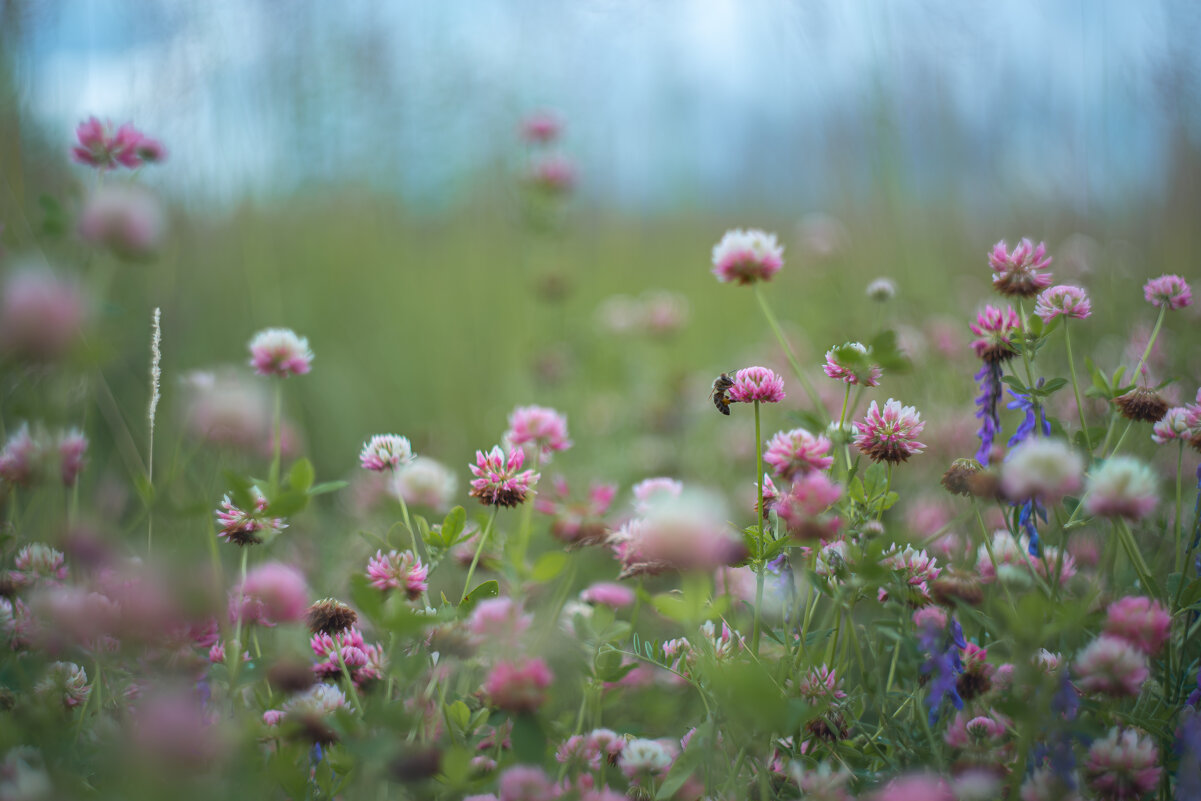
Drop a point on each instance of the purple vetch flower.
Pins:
(1026, 404)
(989, 377)
(942, 647)
(1188, 749)
(1031, 510)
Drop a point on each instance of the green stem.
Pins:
(1138, 368)
(277, 440)
(1122, 438)
(884, 497)
(1034, 404)
(522, 544)
(476, 558)
(1126, 538)
(354, 693)
(1067, 340)
(762, 536)
(810, 390)
(1179, 470)
(233, 651)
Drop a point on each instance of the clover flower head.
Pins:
(1018, 272)
(1169, 292)
(499, 479)
(890, 434)
(1063, 300)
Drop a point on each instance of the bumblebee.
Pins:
(721, 385)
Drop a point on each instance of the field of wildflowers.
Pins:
(334, 503)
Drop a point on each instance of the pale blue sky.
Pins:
(669, 104)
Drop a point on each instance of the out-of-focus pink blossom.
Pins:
(126, 219)
(1122, 766)
(541, 127)
(1168, 291)
(1121, 487)
(1143, 622)
(539, 429)
(280, 352)
(271, 593)
(72, 446)
(916, 787)
(22, 458)
(552, 173)
(99, 146)
(1112, 666)
(426, 482)
(796, 452)
(608, 593)
(747, 256)
(651, 491)
(398, 570)
(518, 686)
(501, 620)
(805, 507)
(1045, 469)
(41, 315)
(172, 730)
(580, 522)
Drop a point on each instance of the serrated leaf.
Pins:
(1053, 385)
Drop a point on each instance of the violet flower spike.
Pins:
(989, 377)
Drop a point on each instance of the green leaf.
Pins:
(452, 526)
(328, 486)
(287, 504)
(671, 606)
(549, 565)
(887, 354)
(300, 477)
(240, 490)
(1015, 384)
(608, 666)
(1054, 385)
(488, 589)
(529, 741)
(455, 766)
(1191, 594)
(693, 757)
(459, 716)
(368, 599)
